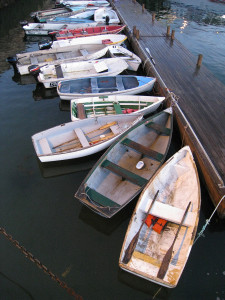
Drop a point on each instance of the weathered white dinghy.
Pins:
(46, 28)
(81, 138)
(44, 15)
(50, 75)
(110, 105)
(126, 167)
(107, 39)
(102, 86)
(82, 2)
(162, 229)
(103, 15)
(58, 56)
(74, 53)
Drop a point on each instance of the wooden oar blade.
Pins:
(165, 263)
(166, 260)
(130, 249)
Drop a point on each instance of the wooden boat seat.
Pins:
(94, 85)
(84, 52)
(59, 56)
(100, 199)
(117, 108)
(172, 213)
(45, 146)
(115, 129)
(34, 60)
(119, 83)
(157, 127)
(142, 149)
(125, 174)
(80, 111)
(59, 72)
(82, 138)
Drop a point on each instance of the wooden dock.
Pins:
(197, 97)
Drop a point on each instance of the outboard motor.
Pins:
(34, 70)
(23, 23)
(107, 20)
(12, 60)
(52, 35)
(45, 45)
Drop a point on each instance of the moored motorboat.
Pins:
(127, 166)
(89, 31)
(102, 86)
(50, 75)
(46, 28)
(107, 39)
(162, 228)
(74, 53)
(81, 138)
(104, 15)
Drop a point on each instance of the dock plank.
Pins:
(200, 94)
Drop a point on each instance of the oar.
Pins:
(72, 146)
(100, 128)
(130, 249)
(166, 260)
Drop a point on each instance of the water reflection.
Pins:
(187, 10)
(57, 168)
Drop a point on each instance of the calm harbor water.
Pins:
(37, 201)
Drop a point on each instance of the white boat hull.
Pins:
(48, 74)
(56, 135)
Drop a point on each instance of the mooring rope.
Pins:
(208, 220)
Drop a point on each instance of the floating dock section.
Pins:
(197, 97)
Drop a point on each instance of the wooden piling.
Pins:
(199, 61)
(153, 17)
(143, 7)
(168, 31)
(173, 35)
(134, 30)
(137, 34)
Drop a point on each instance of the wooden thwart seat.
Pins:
(94, 85)
(45, 146)
(159, 128)
(142, 149)
(80, 111)
(59, 56)
(99, 198)
(59, 72)
(117, 108)
(172, 213)
(119, 83)
(82, 138)
(125, 174)
(83, 52)
(34, 60)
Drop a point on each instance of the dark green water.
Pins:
(38, 208)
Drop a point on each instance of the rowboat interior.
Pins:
(112, 105)
(75, 136)
(178, 184)
(99, 85)
(44, 56)
(117, 179)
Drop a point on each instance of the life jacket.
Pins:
(158, 224)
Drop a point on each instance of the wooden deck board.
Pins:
(200, 93)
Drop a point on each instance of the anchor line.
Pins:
(40, 265)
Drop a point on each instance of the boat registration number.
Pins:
(53, 83)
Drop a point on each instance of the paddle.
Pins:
(166, 260)
(130, 249)
(75, 139)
